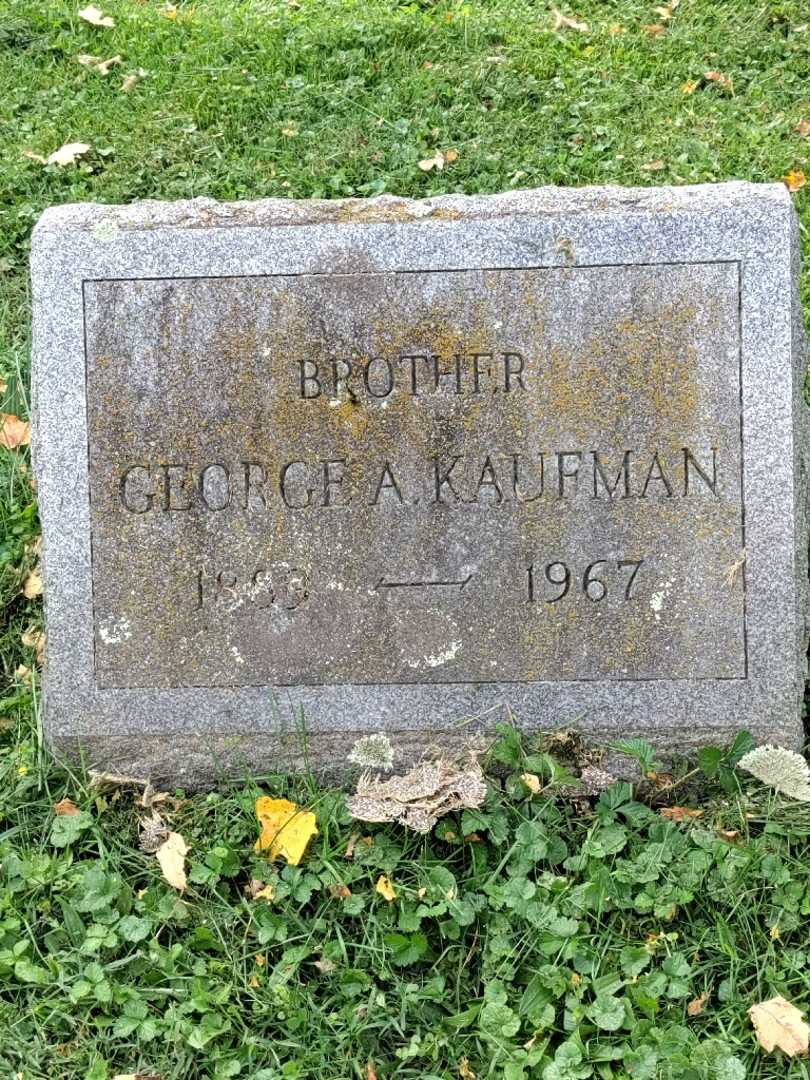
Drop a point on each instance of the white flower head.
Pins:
(784, 770)
(373, 752)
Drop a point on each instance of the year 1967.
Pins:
(551, 582)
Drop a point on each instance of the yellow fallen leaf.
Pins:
(254, 982)
(690, 86)
(385, 888)
(95, 16)
(14, 432)
(654, 29)
(774, 933)
(565, 22)
(779, 1023)
(795, 180)
(679, 813)
(267, 893)
(172, 858)
(464, 1070)
(286, 829)
(32, 586)
(67, 154)
(170, 11)
(532, 782)
(23, 673)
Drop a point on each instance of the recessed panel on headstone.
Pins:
(416, 466)
(477, 475)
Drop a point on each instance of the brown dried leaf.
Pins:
(654, 166)
(779, 1023)
(172, 858)
(340, 892)
(654, 29)
(35, 639)
(66, 808)
(14, 432)
(695, 1007)
(803, 128)
(32, 586)
(723, 81)
(464, 1070)
(325, 965)
(129, 83)
(566, 22)
(680, 813)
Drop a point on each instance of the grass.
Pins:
(565, 941)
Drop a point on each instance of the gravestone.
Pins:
(408, 467)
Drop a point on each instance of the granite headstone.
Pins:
(403, 466)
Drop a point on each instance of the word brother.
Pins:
(488, 479)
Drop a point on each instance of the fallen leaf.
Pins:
(779, 1023)
(286, 829)
(654, 166)
(254, 982)
(350, 846)
(129, 83)
(385, 888)
(97, 64)
(67, 154)
(565, 22)
(532, 782)
(615, 29)
(24, 674)
(436, 162)
(14, 432)
(370, 1072)
(172, 858)
(654, 29)
(795, 180)
(169, 12)
(261, 960)
(35, 639)
(267, 893)
(695, 1007)
(340, 892)
(803, 128)
(66, 808)
(774, 933)
(731, 836)
(464, 1070)
(720, 79)
(32, 586)
(690, 86)
(680, 813)
(95, 16)
(324, 965)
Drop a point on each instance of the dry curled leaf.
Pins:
(566, 22)
(66, 808)
(654, 166)
(795, 180)
(721, 80)
(95, 16)
(385, 888)
(324, 965)
(803, 128)
(286, 829)
(532, 782)
(680, 813)
(67, 154)
(32, 586)
(464, 1070)
(340, 891)
(35, 639)
(129, 83)
(779, 1023)
(439, 160)
(14, 432)
(695, 1007)
(97, 64)
(654, 29)
(172, 858)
